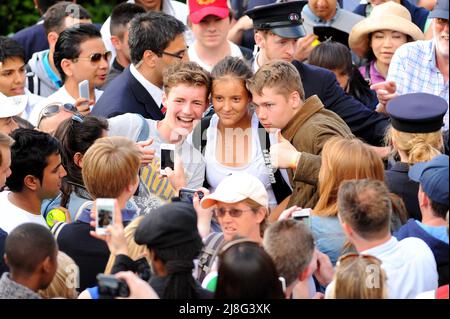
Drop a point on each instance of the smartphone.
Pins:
(105, 214)
(187, 195)
(110, 287)
(167, 157)
(83, 89)
(302, 215)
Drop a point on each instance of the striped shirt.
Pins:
(413, 69)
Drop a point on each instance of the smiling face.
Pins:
(230, 99)
(246, 225)
(440, 36)
(184, 104)
(212, 31)
(384, 43)
(12, 77)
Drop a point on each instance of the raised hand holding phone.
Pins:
(167, 156)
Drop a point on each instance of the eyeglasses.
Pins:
(55, 108)
(179, 55)
(96, 57)
(372, 259)
(233, 212)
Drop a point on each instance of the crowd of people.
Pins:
(310, 136)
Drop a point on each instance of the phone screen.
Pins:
(167, 159)
(105, 217)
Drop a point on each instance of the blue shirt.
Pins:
(439, 232)
(413, 68)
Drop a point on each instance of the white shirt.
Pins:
(33, 100)
(174, 8)
(12, 216)
(409, 265)
(152, 89)
(61, 96)
(216, 171)
(235, 51)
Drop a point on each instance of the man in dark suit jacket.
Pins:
(276, 38)
(156, 41)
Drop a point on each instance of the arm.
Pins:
(237, 30)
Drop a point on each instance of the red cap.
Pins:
(198, 9)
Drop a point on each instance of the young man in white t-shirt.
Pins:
(211, 22)
(36, 174)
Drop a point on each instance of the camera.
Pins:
(187, 195)
(302, 215)
(110, 287)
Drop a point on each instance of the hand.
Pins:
(244, 23)
(66, 212)
(204, 216)
(385, 92)
(176, 177)
(147, 154)
(83, 105)
(383, 152)
(115, 238)
(324, 272)
(304, 47)
(287, 213)
(283, 154)
(139, 289)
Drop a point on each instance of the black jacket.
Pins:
(363, 122)
(399, 183)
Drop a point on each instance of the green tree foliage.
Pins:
(18, 14)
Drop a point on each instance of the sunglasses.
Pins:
(350, 256)
(96, 57)
(233, 212)
(55, 108)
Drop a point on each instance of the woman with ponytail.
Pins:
(415, 136)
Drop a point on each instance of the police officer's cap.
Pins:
(417, 112)
(283, 19)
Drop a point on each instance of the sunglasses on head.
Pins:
(55, 108)
(233, 212)
(96, 57)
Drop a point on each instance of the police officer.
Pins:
(277, 28)
(417, 119)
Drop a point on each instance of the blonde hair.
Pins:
(344, 159)
(6, 142)
(255, 207)
(135, 251)
(188, 73)
(419, 147)
(66, 279)
(359, 277)
(109, 166)
(279, 75)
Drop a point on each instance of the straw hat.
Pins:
(387, 16)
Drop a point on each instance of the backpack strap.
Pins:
(81, 208)
(367, 74)
(33, 80)
(208, 254)
(199, 133)
(280, 188)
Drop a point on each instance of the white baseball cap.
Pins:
(12, 105)
(235, 188)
